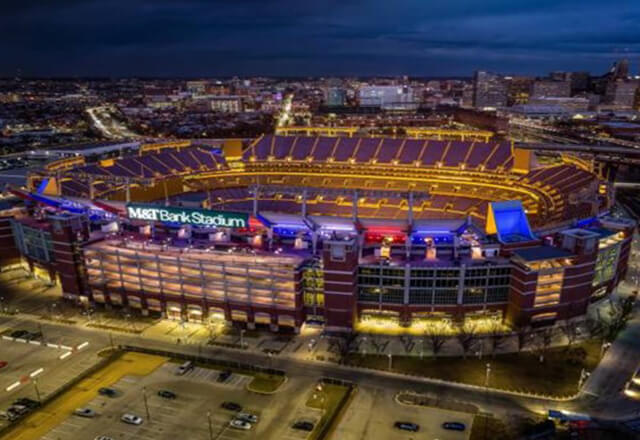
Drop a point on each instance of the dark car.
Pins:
(19, 334)
(109, 392)
(166, 394)
(223, 376)
(303, 425)
(454, 426)
(231, 406)
(3, 364)
(32, 336)
(407, 426)
(29, 403)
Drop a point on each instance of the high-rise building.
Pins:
(579, 82)
(636, 101)
(546, 87)
(390, 97)
(619, 69)
(621, 93)
(519, 89)
(489, 90)
(335, 97)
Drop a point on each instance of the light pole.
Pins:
(242, 337)
(364, 346)
(390, 356)
(35, 386)
(487, 375)
(604, 347)
(146, 404)
(210, 426)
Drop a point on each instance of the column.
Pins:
(354, 209)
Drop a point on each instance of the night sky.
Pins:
(314, 37)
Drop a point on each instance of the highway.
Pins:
(107, 125)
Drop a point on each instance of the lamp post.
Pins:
(390, 356)
(35, 386)
(210, 426)
(242, 337)
(146, 404)
(487, 375)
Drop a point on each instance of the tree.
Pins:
(542, 342)
(467, 337)
(619, 314)
(435, 337)
(522, 333)
(342, 344)
(497, 338)
(407, 343)
(570, 330)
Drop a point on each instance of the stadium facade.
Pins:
(337, 230)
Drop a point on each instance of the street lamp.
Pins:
(242, 337)
(35, 386)
(210, 426)
(146, 404)
(390, 356)
(487, 374)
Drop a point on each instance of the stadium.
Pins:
(343, 231)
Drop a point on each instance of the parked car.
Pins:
(303, 425)
(109, 392)
(232, 406)
(224, 376)
(31, 336)
(454, 426)
(103, 437)
(19, 334)
(247, 417)
(240, 424)
(184, 368)
(166, 394)
(84, 412)
(407, 426)
(3, 364)
(131, 419)
(29, 403)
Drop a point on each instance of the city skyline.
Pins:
(192, 39)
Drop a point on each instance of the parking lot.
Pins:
(34, 369)
(198, 393)
(373, 413)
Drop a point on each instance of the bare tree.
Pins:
(407, 343)
(522, 333)
(377, 342)
(595, 326)
(619, 314)
(542, 342)
(497, 338)
(570, 330)
(467, 337)
(343, 344)
(435, 337)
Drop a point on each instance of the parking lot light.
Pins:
(146, 404)
(210, 426)
(35, 386)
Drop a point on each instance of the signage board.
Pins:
(187, 216)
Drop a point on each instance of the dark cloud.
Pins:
(293, 37)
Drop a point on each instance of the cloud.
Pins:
(287, 37)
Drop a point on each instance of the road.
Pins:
(609, 405)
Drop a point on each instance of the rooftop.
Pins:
(542, 253)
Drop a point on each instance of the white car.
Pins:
(131, 419)
(247, 417)
(84, 412)
(103, 437)
(240, 424)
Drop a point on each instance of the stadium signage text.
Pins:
(187, 216)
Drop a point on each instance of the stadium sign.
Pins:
(187, 216)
